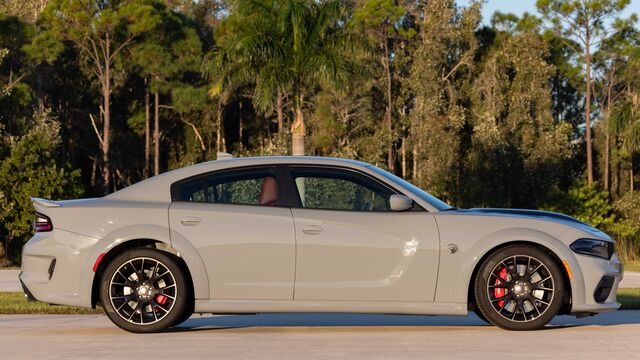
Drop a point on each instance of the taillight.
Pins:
(42, 223)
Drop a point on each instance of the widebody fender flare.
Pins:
(182, 247)
(482, 247)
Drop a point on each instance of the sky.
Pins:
(518, 7)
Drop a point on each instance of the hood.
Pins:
(533, 214)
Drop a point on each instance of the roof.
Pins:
(157, 188)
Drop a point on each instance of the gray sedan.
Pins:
(308, 234)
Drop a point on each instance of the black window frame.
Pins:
(296, 201)
(277, 171)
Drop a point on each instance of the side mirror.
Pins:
(400, 202)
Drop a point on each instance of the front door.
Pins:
(351, 246)
(245, 237)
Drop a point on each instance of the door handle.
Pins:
(312, 229)
(190, 221)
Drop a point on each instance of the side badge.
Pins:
(453, 248)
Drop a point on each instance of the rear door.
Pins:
(239, 223)
(351, 246)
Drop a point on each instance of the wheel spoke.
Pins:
(519, 304)
(132, 305)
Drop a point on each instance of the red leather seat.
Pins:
(269, 191)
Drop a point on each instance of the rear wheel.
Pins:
(144, 290)
(519, 287)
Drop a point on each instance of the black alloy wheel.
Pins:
(519, 287)
(144, 290)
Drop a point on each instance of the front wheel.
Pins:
(519, 287)
(144, 290)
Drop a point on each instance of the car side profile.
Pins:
(310, 234)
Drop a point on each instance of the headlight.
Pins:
(599, 248)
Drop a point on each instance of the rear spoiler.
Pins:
(38, 202)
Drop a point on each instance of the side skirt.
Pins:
(319, 306)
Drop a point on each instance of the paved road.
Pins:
(9, 280)
(630, 280)
(312, 336)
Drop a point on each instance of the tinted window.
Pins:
(249, 187)
(193, 191)
(339, 190)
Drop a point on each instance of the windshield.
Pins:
(434, 201)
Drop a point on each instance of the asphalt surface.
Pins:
(315, 336)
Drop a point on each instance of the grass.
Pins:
(631, 266)
(629, 298)
(15, 303)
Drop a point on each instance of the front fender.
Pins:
(456, 269)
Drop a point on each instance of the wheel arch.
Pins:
(566, 308)
(135, 244)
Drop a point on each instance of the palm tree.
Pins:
(284, 47)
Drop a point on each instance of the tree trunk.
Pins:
(587, 53)
(156, 133)
(106, 129)
(631, 174)
(414, 174)
(240, 129)
(147, 132)
(404, 157)
(606, 160)
(298, 129)
(279, 111)
(220, 144)
(387, 68)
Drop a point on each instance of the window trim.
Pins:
(276, 170)
(296, 201)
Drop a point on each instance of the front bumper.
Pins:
(601, 279)
(55, 270)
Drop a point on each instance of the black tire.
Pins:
(481, 316)
(186, 314)
(145, 298)
(519, 287)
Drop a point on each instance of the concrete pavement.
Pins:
(9, 280)
(314, 336)
(630, 280)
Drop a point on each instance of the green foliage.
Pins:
(286, 47)
(31, 169)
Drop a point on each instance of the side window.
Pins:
(193, 191)
(335, 189)
(246, 187)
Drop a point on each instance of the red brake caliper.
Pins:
(500, 292)
(161, 299)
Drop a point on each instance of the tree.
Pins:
(292, 45)
(26, 9)
(586, 22)
(31, 169)
(163, 57)
(14, 34)
(442, 61)
(381, 20)
(514, 133)
(100, 30)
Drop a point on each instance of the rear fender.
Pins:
(181, 247)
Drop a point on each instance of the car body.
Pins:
(313, 248)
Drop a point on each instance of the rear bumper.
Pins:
(55, 270)
(27, 294)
